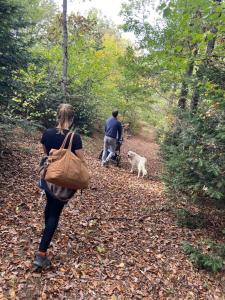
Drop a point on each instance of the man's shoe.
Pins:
(41, 261)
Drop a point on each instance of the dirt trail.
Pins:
(116, 241)
(144, 144)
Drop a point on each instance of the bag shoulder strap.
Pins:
(71, 141)
(65, 140)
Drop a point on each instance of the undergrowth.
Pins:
(186, 219)
(210, 262)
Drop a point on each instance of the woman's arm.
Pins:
(44, 149)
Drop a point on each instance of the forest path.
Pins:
(118, 240)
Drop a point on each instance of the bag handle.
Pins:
(65, 140)
(71, 141)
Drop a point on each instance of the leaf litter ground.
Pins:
(118, 240)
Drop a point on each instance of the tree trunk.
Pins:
(182, 102)
(195, 99)
(65, 50)
(201, 71)
(184, 88)
(203, 68)
(183, 96)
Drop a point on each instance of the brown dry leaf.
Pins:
(121, 265)
(68, 287)
(62, 270)
(12, 294)
(43, 296)
(2, 297)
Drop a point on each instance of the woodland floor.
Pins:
(118, 240)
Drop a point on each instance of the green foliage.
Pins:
(37, 97)
(93, 71)
(134, 88)
(221, 250)
(13, 46)
(86, 111)
(184, 49)
(186, 219)
(201, 260)
(100, 74)
(218, 249)
(5, 134)
(194, 158)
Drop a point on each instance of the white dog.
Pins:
(138, 162)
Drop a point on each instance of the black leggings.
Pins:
(53, 210)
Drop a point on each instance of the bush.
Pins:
(85, 105)
(221, 250)
(203, 261)
(194, 156)
(39, 95)
(8, 124)
(189, 220)
(133, 119)
(5, 133)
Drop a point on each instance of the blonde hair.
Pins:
(65, 114)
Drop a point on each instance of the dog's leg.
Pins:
(132, 168)
(144, 171)
(139, 171)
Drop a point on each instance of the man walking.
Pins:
(113, 131)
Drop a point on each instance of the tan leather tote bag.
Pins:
(65, 169)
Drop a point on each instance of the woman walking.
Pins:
(53, 139)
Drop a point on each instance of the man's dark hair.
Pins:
(115, 113)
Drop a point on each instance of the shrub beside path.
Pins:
(118, 240)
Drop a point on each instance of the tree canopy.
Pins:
(184, 62)
(173, 77)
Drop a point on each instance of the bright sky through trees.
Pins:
(110, 9)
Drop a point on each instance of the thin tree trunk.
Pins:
(203, 68)
(65, 51)
(182, 102)
(201, 71)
